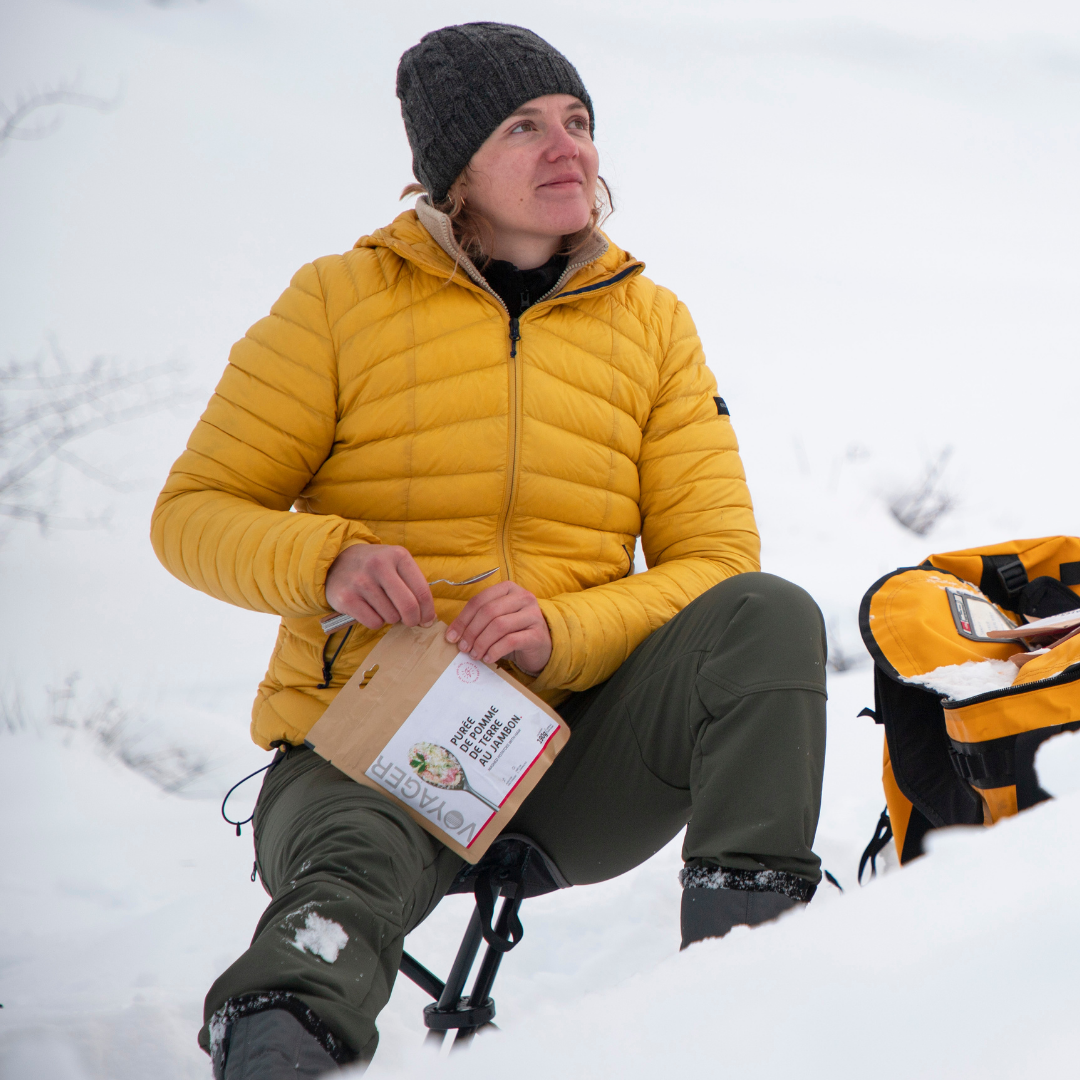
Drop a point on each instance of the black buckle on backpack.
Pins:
(991, 764)
(1003, 578)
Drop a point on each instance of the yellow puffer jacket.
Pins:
(384, 399)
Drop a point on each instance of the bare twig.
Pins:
(92, 472)
(115, 729)
(13, 120)
(839, 658)
(47, 404)
(13, 716)
(173, 768)
(921, 505)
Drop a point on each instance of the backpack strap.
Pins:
(878, 842)
(1003, 578)
(1006, 762)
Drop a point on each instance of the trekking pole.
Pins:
(489, 966)
(463, 962)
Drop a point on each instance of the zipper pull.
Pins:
(515, 337)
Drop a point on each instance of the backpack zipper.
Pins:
(1072, 671)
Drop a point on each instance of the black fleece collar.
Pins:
(520, 289)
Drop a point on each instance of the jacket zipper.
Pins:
(515, 412)
(513, 423)
(599, 284)
(514, 438)
(513, 434)
(514, 380)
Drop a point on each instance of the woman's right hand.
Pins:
(379, 584)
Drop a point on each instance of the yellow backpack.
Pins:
(960, 743)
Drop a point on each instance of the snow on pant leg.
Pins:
(350, 874)
(717, 718)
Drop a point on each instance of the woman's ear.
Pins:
(454, 198)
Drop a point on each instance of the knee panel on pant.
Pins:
(768, 635)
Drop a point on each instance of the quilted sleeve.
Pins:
(697, 524)
(223, 522)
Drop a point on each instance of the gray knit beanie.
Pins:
(461, 82)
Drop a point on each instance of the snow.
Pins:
(320, 937)
(1057, 764)
(965, 680)
(879, 983)
(875, 227)
(122, 903)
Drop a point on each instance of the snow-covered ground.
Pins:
(870, 209)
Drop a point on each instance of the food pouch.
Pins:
(457, 742)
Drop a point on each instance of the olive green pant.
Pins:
(715, 722)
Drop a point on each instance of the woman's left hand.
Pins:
(503, 620)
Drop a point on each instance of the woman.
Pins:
(490, 382)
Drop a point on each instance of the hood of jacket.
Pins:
(425, 237)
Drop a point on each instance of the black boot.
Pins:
(714, 899)
(273, 1036)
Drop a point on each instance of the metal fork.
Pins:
(336, 622)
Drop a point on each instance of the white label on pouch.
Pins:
(463, 749)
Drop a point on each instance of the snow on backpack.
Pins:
(962, 720)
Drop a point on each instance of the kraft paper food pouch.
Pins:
(457, 742)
